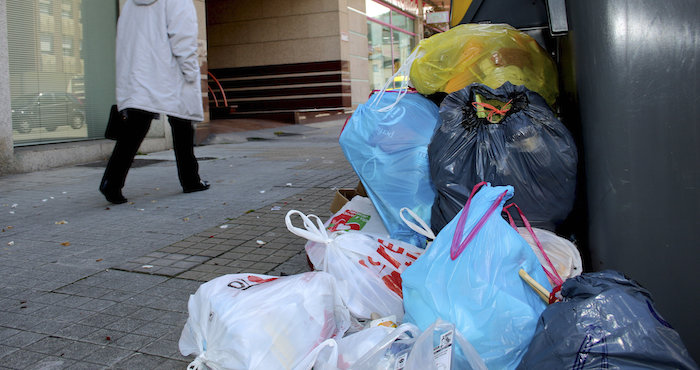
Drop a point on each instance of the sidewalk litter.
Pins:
(423, 265)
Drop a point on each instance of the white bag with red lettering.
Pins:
(367, 268)
(358, 214)
(251, 321)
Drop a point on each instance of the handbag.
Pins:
(115, 124)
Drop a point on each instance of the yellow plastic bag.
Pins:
(490, 54)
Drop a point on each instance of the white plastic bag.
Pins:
(391, 351)
(564, 255)
(441, 346)
(250, 321)
(367, 268)
(358, 214)
(350, 348)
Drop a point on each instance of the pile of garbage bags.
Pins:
(451, 261)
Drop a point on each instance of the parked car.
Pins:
(47, 109)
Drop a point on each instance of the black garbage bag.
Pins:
(605, 321)
(521, 144)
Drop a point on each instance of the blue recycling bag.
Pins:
(469, 276)
(386, 142)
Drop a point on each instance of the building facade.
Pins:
(266, 58)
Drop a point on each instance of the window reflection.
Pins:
(67, 9)
(45, 6)
(48, 82)
(380, 60)
(391, 40)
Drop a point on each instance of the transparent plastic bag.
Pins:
(489, 54)
(439, 347)
(251, 321)
(391, 349)
(350, 348)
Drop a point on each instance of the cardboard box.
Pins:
(344, 195)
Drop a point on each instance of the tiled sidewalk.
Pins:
(115, 297)
(256, 242)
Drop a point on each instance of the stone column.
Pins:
(202, 127)
(6, 142)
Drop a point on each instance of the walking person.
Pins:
(157, 72)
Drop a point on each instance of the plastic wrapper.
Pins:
(469, 276)
(367, 268)
(489, 54)
(605, 321)
(386, 142)
(250, 321)
(524, 145)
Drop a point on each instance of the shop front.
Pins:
(61, 69)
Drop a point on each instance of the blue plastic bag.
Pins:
(387, 146)
(469, 276)
(605, 321)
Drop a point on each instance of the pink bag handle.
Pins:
(554, 276)
(458, 247)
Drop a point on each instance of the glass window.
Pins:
(67, 46)
(380, 61)
(46, 43)
(58, 93)
(391, 40)
(402, 46)
(401, 21)
(45, 6)
(46, 99)
(67, 9)
(377, 11)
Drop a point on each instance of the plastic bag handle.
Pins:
(458, 247)
(423, 229)
(316, 233)
(199, 363)
(554, 275)
(310, 359)
(493, 110)
(403, 71)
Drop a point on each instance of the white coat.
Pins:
(156, 57)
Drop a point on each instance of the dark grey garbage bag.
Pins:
(529, 148)
(605, 321)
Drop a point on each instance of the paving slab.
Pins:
(88, 284)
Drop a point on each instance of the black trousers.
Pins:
(137, 124)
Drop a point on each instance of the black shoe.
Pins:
(203, 185)
(112, 196)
